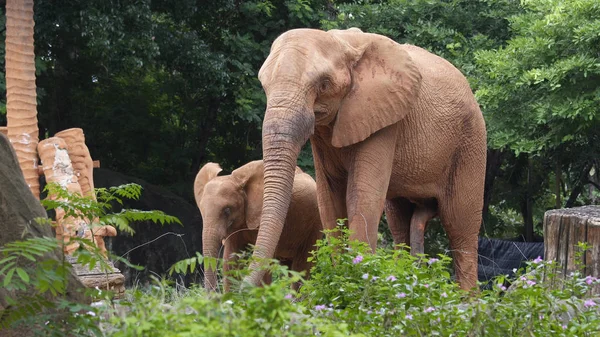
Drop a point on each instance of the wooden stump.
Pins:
(111, 280)
(564, 229)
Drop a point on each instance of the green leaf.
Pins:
(8, 265)
(6, 259)
(23, 275)
(8, 277)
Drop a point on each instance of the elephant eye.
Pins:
(227, 211)
(324, 84)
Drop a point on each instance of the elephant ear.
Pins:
(206, 174)
(251, 179)
(385, 85)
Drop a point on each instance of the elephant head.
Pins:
(352, 82)
(227, 204)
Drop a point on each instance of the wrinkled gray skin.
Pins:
(389, 125)
(231, 206)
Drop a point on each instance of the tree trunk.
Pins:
(578, 186)
(526, 204)
(563, 230)
(493, 164)
(557, 183)
(18, 209)
(21, 96)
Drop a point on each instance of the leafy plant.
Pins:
(391, 293)
(353, 292)
(185, 264)
(40, 281)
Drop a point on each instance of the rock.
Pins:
(18, 210)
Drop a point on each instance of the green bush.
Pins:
(392, 293)
(354, 293)
(351, 292)
(257, 311)
(37, 284)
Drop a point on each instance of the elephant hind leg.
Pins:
(461, 218)
(398, 212)
(420, 216)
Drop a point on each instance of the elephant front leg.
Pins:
(331, 189)
(368, 180)
(232, 247)
(229, 262)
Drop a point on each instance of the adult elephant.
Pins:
(386, 122)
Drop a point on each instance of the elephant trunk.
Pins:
(211, 243)
(285, 131)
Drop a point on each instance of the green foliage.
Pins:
(37, 282)
(34, 286)
(89, 210)
(451, 29)
(542, 88)
(539, 93)
(262, 311)
(191, 263)
(352, 292)
(31, 249)
(392, 293)
(381, 294)
(180, 80)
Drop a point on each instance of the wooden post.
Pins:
(21, 103)
(564, 229)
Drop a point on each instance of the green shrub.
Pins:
(352, 292)
(392, 293)
(39, 283)
(255, 311)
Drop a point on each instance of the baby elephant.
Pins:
(231, 207)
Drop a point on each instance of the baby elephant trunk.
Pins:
(211, 243)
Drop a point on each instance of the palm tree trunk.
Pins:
(20, 89)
